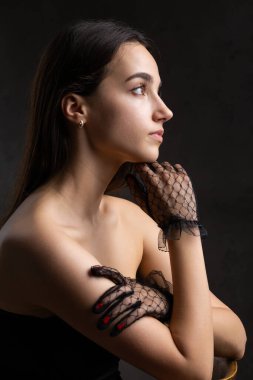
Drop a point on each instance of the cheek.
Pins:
(123, 117)
(121, 128)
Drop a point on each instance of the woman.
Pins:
(81, 274)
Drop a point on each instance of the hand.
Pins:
(167, 193)
(129, 300)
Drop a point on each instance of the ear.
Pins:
(74, 108)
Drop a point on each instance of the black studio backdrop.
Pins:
(206, 66)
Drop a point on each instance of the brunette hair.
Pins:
(74, 61)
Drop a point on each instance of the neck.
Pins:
(81, 187)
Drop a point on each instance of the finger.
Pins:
(111, 296)
(116, 311)
(180, 168)
(144, 168)
(148, 176)
(168, 166)
(108, 272)
(158, 167)
(134, 314)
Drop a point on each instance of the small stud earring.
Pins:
(81, 123)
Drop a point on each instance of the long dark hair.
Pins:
(74, 61)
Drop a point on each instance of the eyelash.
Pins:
(143, 87)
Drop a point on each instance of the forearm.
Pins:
(191, 321)
(229, 334)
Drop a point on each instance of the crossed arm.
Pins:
(229, 333)
(58, 280)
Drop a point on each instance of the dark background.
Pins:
(206, 69)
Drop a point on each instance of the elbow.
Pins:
(241, 347)
(239, 354)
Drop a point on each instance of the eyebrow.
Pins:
(144, 76)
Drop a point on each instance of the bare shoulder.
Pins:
(34, 237)
(122, 202)
(37, 254)
(131, 209)
(146, 225)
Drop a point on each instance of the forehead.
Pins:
(132, 57)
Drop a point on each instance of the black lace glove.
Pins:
(130, 299)
(165, 192)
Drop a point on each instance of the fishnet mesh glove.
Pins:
(165, 192)
(131, 299)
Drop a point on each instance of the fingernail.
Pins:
(106, 319)
(117, 329)
(120, 326)
(99, 305)
(103, 324)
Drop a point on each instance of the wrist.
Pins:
(175, 228)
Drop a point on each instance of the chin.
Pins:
(143, 159)
(151, 157)
(144, 155)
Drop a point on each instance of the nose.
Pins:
(162, 112)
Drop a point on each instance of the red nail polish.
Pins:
(106, 319)
(99, 305)
(121, 325)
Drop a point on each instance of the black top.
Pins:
(49, 349)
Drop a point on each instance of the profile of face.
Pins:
(126, 107)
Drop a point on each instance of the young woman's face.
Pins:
(126, 107)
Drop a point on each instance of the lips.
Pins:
(157, 135)
(159, 132)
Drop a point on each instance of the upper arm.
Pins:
(60, 282)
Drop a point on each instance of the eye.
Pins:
(140, 90)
